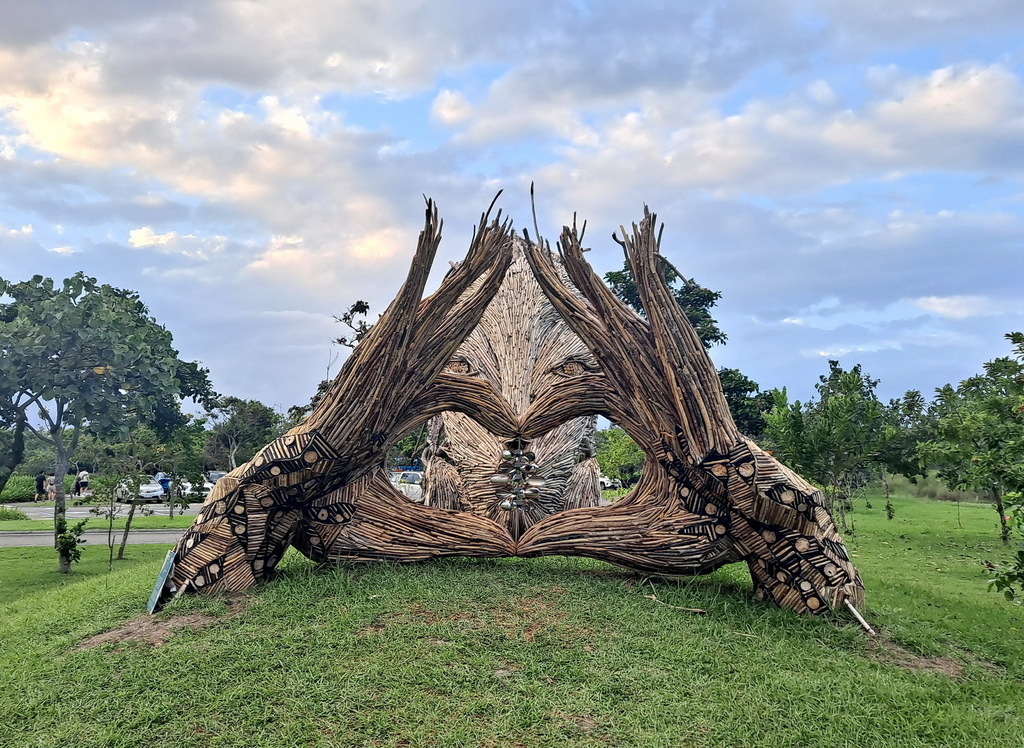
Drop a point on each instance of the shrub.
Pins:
(19, 488)
(7, 514)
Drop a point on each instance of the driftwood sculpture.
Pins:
(707, 497)
(522, 347)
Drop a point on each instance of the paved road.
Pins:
(136, 537)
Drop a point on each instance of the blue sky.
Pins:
(848, 175)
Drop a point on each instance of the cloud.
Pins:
(145, 237)
(956, 307)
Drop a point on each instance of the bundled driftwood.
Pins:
(519, 349)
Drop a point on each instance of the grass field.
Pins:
(520, 652)
(155, 522)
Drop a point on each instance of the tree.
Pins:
(747, 403)
(835, 439)
(83, 356)
(979, 431)
(695, 300)
(242, 427)
(912, 424)
(618, 455)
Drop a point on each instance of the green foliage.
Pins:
(69, 541)
(832, 441)
(241, 427)
(618, 455)
(19, 488)
(979, 431)
(747, 404)
(1008, 578)
(695, 300)
(11, 515)
(912, 423)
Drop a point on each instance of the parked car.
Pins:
(410, 484)
(149, 491)
(607, 482)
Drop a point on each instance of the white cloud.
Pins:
(146, 237)
(450, 108)
(956, 307)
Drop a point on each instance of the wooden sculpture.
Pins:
(708, 496)
(522, 347)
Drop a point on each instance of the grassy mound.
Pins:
(519, 652)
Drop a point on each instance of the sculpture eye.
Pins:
(574, 367)
(458, 366)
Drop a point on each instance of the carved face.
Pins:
(523, 348)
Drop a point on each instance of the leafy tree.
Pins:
(1008, 578)
(911, 422)
(241, 428)
(82, 356)
(695, 300)
(747, 403)
(979, 431)
(618, 456)
(832, 441)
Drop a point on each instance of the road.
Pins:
(21, 539)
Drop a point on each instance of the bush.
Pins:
(931, 487)
(19, 488)
(8, 515)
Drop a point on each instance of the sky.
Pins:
(850, 176)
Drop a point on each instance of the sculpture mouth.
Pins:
(517, 480)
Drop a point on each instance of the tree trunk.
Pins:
(885, 482)
(1004, 529)
(60, 523)
(127, 529)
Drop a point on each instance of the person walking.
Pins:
(51, 487)
(82, 482)
(164, 481)
(40, 486)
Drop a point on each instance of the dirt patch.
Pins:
(156, 630)
(893, 654)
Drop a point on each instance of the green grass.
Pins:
(524, 652)
(155, 522)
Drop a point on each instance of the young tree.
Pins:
(832, 440)
(241, 427)
(912, 424)
(83, 355)
(979, 431)
(618, 456)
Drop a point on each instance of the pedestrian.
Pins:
(40, 486)
(164, 481)
(51, 487)
(82, 482)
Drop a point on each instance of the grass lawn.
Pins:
(155, 522)
(519, 652)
